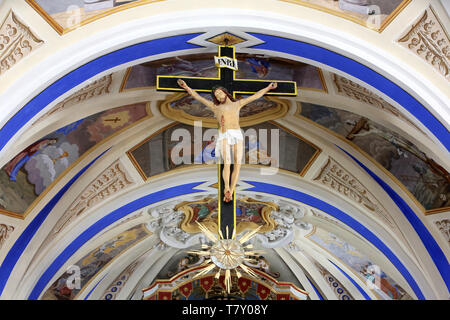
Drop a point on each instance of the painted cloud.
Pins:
(50, 163)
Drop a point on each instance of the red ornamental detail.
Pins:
(222, 282)
(186, 289)
(263, 291)
(207, 283)
(164, 295)
(244, 284)
(283, 296)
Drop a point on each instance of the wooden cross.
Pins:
(117, 119)
(226, 79)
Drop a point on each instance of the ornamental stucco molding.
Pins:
(5, 231)
(16, 42)
(347, 88)
(427, 39)
(111, 181)
(97, 88)
(334, 177)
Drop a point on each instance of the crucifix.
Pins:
(227, 63)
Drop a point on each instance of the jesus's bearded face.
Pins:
(220, 95)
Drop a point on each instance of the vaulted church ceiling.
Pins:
(28, 174)
(68, 15)
(109, 185)
(304, 242)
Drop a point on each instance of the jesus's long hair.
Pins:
(217, 102)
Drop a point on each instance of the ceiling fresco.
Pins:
(374, 14)
(93, 263)
(425, 179)
(135, 223)
(67, 15)
(24, 178)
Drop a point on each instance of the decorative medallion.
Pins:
(226, 39)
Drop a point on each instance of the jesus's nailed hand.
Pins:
(182, 84)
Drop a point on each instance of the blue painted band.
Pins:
(103, 223)
(435, 251)
(183, 189)
(363, 292)
(315, 289)
(360, 71)
(189, 188)
(176, 43)
(87, 71)
(179, 42)
(342, 216)
(24, 239)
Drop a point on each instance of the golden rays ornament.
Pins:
(227, 254)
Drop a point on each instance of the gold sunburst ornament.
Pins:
(227, 254)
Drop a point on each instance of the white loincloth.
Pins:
(232, 136)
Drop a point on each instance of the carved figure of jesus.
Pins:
(226, 110)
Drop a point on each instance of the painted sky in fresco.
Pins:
(30, 172)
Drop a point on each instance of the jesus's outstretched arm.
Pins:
(195, 95)
(257, 95)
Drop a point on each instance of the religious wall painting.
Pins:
(183, 108)
(95, 89)
(257, 67)
(67, 15)
(426, 180)
(360, 264)
(32, 171)
(94, 262)
(373, 14)
(250, 214)
(165, 149)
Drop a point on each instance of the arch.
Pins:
(188, 188)
(307, 42)
(173, 42)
